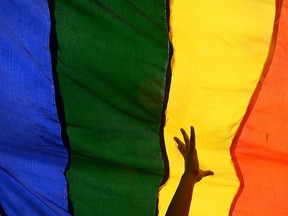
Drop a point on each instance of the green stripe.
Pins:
(112, 62)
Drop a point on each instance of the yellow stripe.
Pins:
(220, 48)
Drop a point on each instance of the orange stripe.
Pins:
(261, 149)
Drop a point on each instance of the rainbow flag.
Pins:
(92, 93)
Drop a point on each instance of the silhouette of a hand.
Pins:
(189, 152)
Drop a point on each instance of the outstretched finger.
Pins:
(181, 145)
(207, 173)
(192, 139)
(186, 138)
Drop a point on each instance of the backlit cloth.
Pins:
(112, 63)
(261, 148)
(220, 48)
(32, 155)
(229, 80)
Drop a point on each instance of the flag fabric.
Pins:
(112, 63)
(221, 53)
(32, 155)
(229, 80)
(261, 148)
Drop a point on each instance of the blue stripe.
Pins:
(32, 155)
